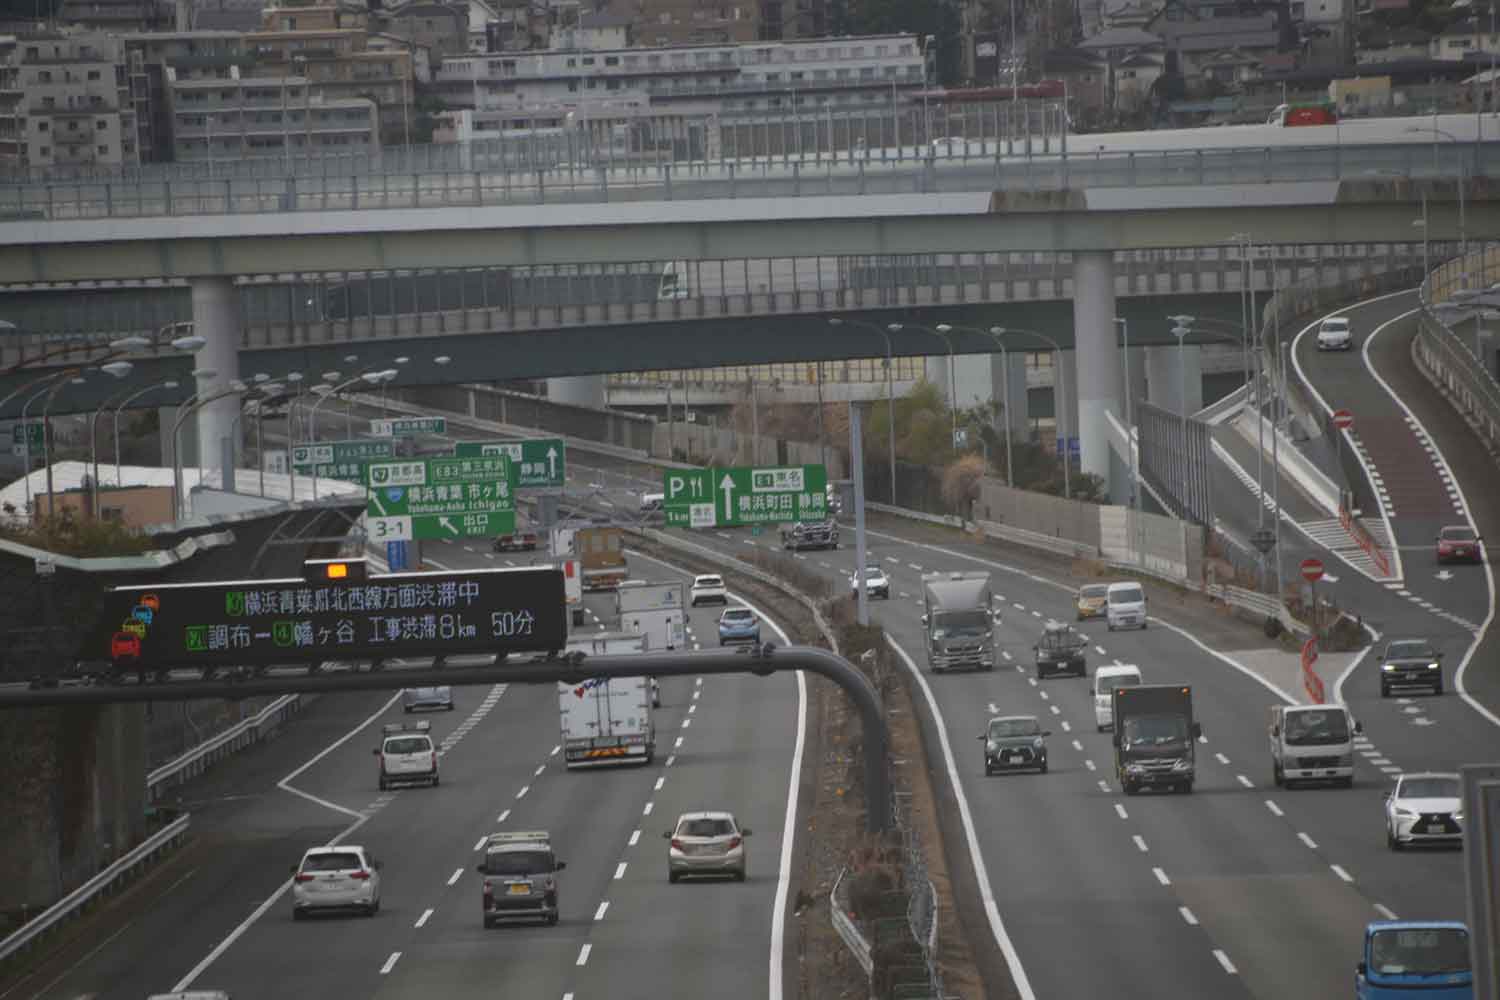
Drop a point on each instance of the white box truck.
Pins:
(655, 610)
(607, 721)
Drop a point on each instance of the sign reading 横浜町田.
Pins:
(285, 621)
(542, 462)
(441, 498)
(409, 426)
(718, 498)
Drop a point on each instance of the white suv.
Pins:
(336, 878)
(407, 754)
(707, 590)
(1334, 334)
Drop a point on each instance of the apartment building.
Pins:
(65, 102)
(217, 120)
(838, 73)
(192, 55)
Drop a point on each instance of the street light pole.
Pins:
(1135, 468)
(168, 384)
(1059, 393)
(890, 390)
(994, 334)
(952, 382)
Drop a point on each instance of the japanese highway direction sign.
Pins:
(285, 621)
(542, 461)
(718, 498)
(20, 433)
(339, 459)
(409, 426)
(441, 498)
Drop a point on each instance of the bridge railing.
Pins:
(1462, 362)
(939, 167)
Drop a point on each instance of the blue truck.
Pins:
(1405, 959)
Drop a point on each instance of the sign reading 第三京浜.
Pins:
(257, 622)
(718, 498)
(409, 426)
(441, 498)
(541, 461)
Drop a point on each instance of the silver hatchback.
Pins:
(706, 844)
(428, 697)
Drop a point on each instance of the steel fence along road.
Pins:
(937, 168)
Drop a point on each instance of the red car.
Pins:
(125, 646)
(1457, 542)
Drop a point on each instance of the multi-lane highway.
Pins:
(220, 917)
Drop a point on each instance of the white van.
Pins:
(1106, 679)
(1125, 606)
(651, 502)
(1312, 743)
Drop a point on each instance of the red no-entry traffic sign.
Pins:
(1312, 570)
(1343, 419)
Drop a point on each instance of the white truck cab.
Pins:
(407, 755)
(1125, 606)
(1106, 679)
(1312, 743)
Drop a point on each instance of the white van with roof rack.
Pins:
(407, 754)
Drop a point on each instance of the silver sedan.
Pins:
(706, 844)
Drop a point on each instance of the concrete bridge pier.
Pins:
(1098, 359)
(1019, 415)
(582, 390)
(216, 318)
(1170, 371)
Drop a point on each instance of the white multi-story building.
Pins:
(816, 73)
(65, 102)
(263, 117)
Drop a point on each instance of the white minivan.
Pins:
(1125, 606)
(1106, 679)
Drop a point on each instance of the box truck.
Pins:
(1155, 737)
(958, 621)
(607, 721)
(654, 610)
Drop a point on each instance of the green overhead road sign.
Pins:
(441, 498)
(344, 460)
(721, 498)
(408, 427)
(542, 461)
(20, 433)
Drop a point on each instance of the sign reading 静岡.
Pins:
(409, 426)
(718, 498)
(541, 461)
(441, 498)
(285, 621)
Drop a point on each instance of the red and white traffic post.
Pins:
(1312, 572)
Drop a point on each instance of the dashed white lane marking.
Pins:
(1245, 781)
(1339, 871)
(1103, 785)
(1036, 614)
(583, 954)
(1018, 607)
(1226, 963)
(1379, 761)
(522, 793)
(824, 564)
(555, 750)
(1055, 710)
(915, 566)
(1161, 876)
(1033, 682)
(1307, 840)
(1391, 769)
(599, 913)
(671, 759)
(1221, 758)
(480, 843)
(1275, 809)
(457, 874)
(892, 559)
(635, 838)
(1045, 696)
(390, 963)
(1120, 811)
(678, 744)
(423, 918)
(1090, 765)
(539, 770)
(660, 782)
(1100, 651)
(1005, 654)
(620, 871)
(1187, 915)
(1140, 843)
(692, 709)
(647, 811)
(1386, 911)
(696, 695)
(1077, 745)
(686, 723)
(1067, 727)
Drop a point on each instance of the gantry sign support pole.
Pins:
(761, 661)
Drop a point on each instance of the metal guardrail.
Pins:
(1462, 376)
(102, 882)
(231, 740)
(846, 928)
(956, 168)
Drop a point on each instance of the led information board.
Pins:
(262, 622)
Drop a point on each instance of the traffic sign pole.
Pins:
(1312, 572)
(1342, 421)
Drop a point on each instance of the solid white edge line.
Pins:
(1489, 575)
(777, 959)
(186, 982)
(981, 874)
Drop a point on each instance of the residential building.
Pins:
(118, 15)
(441, 28)
(1132, 59)
(1393, 45)
(192, 55)
(226, 15)
(706, 22)
(601, 30)
(1468, 39)
(1198, 33)
(715, 79)
(1086, 76)
(65, 102)
(266, 117)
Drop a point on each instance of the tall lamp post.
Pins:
(952, 384)
(994, 334)
(1135, 463)
(890, 391)
(368, 377)
(1463, 236)
(167, 384)
(1059, 392)
(119, 369)
(68, 374)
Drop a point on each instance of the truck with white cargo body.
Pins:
(1312, 743)
(607, 721)
(959, 621)
(572, 571)
(655, 610)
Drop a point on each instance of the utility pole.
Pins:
(857, 460)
